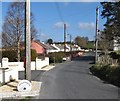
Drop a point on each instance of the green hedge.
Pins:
(114, 55)
(57, 57)
(33, 54)
(108, 73)
(12, 55)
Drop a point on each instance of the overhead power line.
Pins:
(59, 12)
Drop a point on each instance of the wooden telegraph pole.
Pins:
(24, 59)
(28, 42)
(96, 35)
(64, 37)
(70, 46)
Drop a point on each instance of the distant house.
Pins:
(52, 48)
(39, 47)
(75, 47)
(61, 47)
(116, 45)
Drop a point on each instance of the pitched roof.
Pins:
(43, 45)
(46, 46)
(61, 46)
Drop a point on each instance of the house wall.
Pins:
(52, 51)
(39, 49)
(56, 47)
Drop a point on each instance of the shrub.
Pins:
(57, 57)
(114, 76)
(108, 73)
(10, 54)
(95, 70)
(33, 54)
(117, 52)
(114, 55)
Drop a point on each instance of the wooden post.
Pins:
(28, 42)
(64, 37)
(96, 36)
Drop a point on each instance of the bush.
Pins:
(10, 54)
(108, 73)
(33, 54)
(57, 57)
(115, 55)
(118, 52)
(114, 76)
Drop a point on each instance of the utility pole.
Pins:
(70, 46)
(24, 59)
(96, 35)
(64, 37)
(28, 42)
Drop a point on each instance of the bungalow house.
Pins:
(52, 48)
(74, 47)
(41, 49)
(61, 47)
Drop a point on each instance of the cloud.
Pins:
(60, 25)
(43, 35)
(85, 25)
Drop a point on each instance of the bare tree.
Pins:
(13, 27)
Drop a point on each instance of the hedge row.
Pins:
(115, 55)
(33, 54)
(108, 73)
(12, 55)
(57, 57)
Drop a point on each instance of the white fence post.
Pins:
(4, 62)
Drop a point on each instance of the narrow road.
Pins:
(35, 75)
(72, 80)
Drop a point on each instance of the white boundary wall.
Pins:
(35, 65)
(14, 67)
(8, 74)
